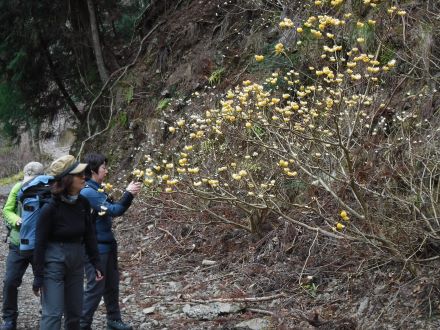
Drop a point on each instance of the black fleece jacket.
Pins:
(64, 221)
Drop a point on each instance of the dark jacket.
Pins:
(104, 211)
(65, 222)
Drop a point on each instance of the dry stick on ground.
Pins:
(307, 259)
(175, 239)
(251, 299)
(261, 311)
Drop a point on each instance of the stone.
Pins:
(208, 262)
(174, 286)
(362, 307)
(210, 311)
(149, 310)
(128, 298)
(254, 324)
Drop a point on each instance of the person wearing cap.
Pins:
(105, 210)
(63, 230)
(16, 264)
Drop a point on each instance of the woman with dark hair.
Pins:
(105, 210)
(64, 228)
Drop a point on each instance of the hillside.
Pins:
(289, 151)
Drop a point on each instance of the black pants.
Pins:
(107, 288)
(16, 266)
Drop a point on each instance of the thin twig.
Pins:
(175, 240)
(307, 259)
(250, 299)
(261, 311)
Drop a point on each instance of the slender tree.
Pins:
(96, 42)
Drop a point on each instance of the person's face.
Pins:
(101, 174)
(78, 183)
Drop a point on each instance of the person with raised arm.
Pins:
(105, 209)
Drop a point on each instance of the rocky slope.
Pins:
(178, 276)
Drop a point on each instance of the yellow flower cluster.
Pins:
(339, 226)
(336, 2)
(105, 187)
(284, 164)
(372, 3)
(322, 22)
(259, 58)
(138, 173)
(344, 216)
(286, 23)
(279, 48)
(394, 9)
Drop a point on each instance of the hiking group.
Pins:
(61, 224)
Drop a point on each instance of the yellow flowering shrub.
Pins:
(303, 141)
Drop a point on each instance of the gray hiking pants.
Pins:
(62, 286)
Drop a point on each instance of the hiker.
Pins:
(105, 209)
(16, 264)
(63, 229)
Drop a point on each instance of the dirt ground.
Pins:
(174, 272)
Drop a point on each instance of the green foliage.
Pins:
(129, 94)
(367, 33)
(311, 289)
(125, 24)
(163, 104)
(258, 131)
(296, 185)
(16, 64)
(207, 145)
(216, 76)
(11, 104)
(387, 55)
(122, 119)
(46, 66)
(128, 18)
(32, 54)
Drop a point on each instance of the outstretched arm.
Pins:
(98, 201)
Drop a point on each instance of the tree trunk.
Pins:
(96, 43)
(58, 80)
(84, 55)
